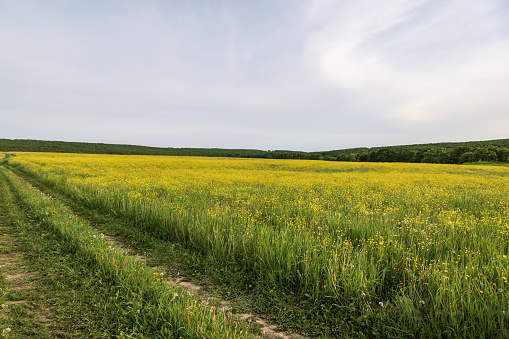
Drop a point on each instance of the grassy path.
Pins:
(60, 278)
(32, 303)
(46, 290)
(18, 309)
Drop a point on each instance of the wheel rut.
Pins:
(19, 282)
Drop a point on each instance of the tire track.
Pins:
(18, 281)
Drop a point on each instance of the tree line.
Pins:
(29, 145)
(440, 153)
(437, 155)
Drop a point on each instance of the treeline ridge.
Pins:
(443, 153)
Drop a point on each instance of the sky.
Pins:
(307, 75)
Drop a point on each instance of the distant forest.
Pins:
(440, 153)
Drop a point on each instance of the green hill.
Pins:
(27, 145)
(446, 152)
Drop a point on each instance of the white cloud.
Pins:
(432, 59)
(277, 74)
(337, 47)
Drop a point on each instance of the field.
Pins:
(335, 249)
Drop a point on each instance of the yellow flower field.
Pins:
(430, 240)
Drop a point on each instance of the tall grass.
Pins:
(424, 247)
(141, 302)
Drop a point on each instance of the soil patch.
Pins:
(6, 259)
(20, 276)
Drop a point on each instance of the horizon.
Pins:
(303, 76)
(264, 150)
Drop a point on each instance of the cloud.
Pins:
(429, 58)
(302, 75)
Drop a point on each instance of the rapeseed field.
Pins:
(422, 247)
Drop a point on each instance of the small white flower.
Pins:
(381, 304)
(363, 294)
(422, 302)
(6, 330)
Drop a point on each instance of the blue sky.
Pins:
(299, 75)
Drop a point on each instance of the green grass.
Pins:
(63, 293)
(92, 289)
(221, 282)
